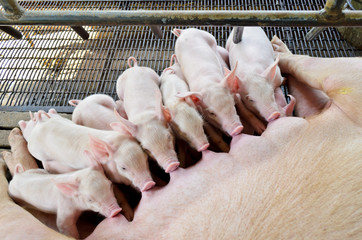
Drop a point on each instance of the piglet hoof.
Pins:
(203, 147)
(273, 116)
(148, 185)
(172, 167)
(236, 131)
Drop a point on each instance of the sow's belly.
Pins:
(263, 188)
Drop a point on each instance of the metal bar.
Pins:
(199, 18)
(12, 8)
(314, 32)
(12, 32)
(81, 32)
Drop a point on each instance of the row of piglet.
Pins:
(198, 85)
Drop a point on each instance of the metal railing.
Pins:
(332, 14)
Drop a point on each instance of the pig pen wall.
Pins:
(52, 64)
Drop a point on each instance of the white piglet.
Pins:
(186, 121)
(202, 65)
(138, 87)
(62, 146)
(97, 111)
(67, 195)
(259, 76)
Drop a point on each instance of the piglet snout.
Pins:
(172, 166)
(203, 147)
(236, 130)
(112, 211)
(273, 116)
(148, 185)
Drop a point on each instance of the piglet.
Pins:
(202, 65)
(186, 121)
(148, 119)
(96, 111)
(61, 145)
(67, 195)
(259, 76)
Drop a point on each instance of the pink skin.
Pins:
(299, 178)
(186, 122)
(270, 180)
(96, 111)
(147, 117)
(65, 194)
(197, 53)
(110, 148)
(258, 74)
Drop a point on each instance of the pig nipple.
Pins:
(273, 116)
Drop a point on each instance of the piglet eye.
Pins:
(90, 200)
(123, 168)
(249, 99)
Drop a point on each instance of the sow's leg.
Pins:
(321, 80)
(20, 154)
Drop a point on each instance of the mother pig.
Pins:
(301, 179)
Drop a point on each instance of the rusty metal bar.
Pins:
(142, 17)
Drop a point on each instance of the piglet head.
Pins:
(132, 164)
(91, 190)
(218, 109)
(159, 142)
(154, 136)
(257, 92)
(187, 122)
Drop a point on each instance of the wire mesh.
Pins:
(52, 64)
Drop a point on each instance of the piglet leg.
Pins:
(216, 138)
(127, 211)
(67, 220)
(257, 124)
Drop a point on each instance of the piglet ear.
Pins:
(52, 111)
(101, 150)
(170, 70)
(22, 125)
(93, 161)
(19, 168)
(196, 97)
(231, 81)
(270, 72)
(166, 114)
(69, 189)
(124, 126)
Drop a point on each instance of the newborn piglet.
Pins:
(258, 74)
(186, 121)
(61, 145)
(67, 195)
(202, 65)
(96, 111)
(148, 119)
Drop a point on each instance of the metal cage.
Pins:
(52, 63)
